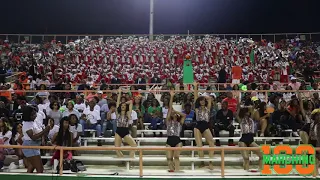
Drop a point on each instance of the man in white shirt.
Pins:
(90, 118)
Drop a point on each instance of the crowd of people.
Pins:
(91, 67)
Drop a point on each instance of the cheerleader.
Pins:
(174, 121)
(123, 115)
(247, 138)
(306, 108)
(202, 110)
(315, 134)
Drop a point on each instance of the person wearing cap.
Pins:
(70, 110)
(294, 84)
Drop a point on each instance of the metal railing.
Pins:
(140, 149)
(64, 38)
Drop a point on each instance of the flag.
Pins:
(252, 56)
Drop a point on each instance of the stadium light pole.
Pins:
(151, 20)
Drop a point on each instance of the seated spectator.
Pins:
(5, 137)
(189, 122)
(281, 121)
(4, 112)
(54, 128)
(294, 84)
(139, 108)
(63, 138)
(17, 139)
(80, 106)
(224, 120)
(90, 118)
(295, 113)
(111, 120)
(155, 115)
(76, 129)
(70, 110)
(55, 113)
(261, 117)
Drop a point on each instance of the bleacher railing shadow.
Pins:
(140, 149)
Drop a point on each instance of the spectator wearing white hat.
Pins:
(294, 84)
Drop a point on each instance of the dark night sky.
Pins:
(171, 16)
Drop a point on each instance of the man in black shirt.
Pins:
(224, 119)
(222, 75)
(282, 120)
(3, 73)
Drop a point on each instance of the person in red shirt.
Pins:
(232, 102)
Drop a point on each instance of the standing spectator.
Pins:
(3, 73)
(155, 79)
(222, 75)
(308, 74)
(232, 102)
(141, 80)
(32, 137)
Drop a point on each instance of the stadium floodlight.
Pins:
(151, 20)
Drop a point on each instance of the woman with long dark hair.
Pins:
(17, 139)
(5, 137)
(32, 137)
(262, 117)
(174, 121)
(63, 138)
(139, 108)
(307, 108)
(202, 112)
(123, 115)
(247, 126)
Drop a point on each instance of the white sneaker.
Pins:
(295, 134)
(47, 165)
(21, 166)
(13, 166)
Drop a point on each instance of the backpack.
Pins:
(76, 166)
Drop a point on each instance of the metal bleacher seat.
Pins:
(191, 158)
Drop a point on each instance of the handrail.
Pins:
(140, 149)
(253, 34)
(177, 91)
